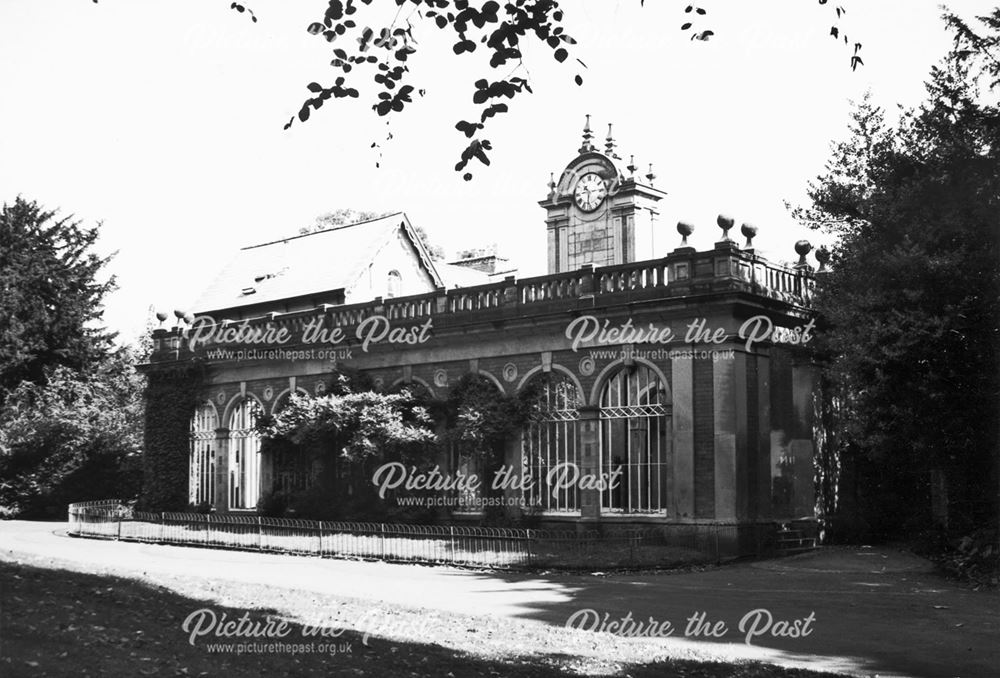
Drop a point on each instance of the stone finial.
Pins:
(649, 175)
(588, 135)
(725, 223)
(631, 166)
(749, 231)
(609, 144)
(685, 229)
(823, 257)
(179, 314)
(552, 185)
(802, 248)
(161, 316)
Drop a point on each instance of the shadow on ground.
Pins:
(875, 611)
(62, 623)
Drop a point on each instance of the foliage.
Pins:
(76, 437)
(481, 420)
(340, 217)
(910, 308)
(975, 557)
(479, 423)
(172, 396)
(50, 296)
(356, 425)
(345, 215)
(502, 29)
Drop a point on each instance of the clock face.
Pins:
(590, 192)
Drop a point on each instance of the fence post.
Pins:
(528, 542)
(381, 540)
(260, 534)
(163, 525)
(319, 537)
(452, 530)
(119, 512)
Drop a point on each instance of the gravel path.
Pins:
(874, 611)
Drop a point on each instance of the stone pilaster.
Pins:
(221, 501)
(682, 471)
(741, 485)
(801, 445)
(724, 403)
(762, 456)
(589, 433)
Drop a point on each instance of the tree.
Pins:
(910, 309)
(385, 48)
(340, 217)
(346, 215)
(349, 432)
(50, 296)
(76, 437)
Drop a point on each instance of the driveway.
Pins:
(863, 611)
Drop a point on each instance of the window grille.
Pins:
(634, 423)
(201, 459)
(550, 440)
(244, 456)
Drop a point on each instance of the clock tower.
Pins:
(599, 213)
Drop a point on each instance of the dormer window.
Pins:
(394, 284)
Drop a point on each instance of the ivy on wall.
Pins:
(172, 396)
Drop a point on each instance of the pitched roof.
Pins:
(306, 264)
(461, 276)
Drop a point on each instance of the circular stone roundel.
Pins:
(440, 378)
(509, 372)
(379, 382)
(268, 393)
(587, 366)
(320, 388)
(221, 398)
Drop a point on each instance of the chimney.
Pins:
(484, 259)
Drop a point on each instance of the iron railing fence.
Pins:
(491, 547)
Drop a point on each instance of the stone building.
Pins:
(680, 372)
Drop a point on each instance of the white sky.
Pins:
(164, 121)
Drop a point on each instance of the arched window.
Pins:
(634, 440)
(468, 457)
(394, 284)
(201, 459)
(244, 455)
(548, 441)
(293, 469)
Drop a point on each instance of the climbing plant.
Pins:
(173, 393)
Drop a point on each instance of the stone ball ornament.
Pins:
(749, 232)
(685, 229)
(823, 257)
(802, 248)
(725, 222)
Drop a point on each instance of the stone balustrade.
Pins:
(682, 273)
